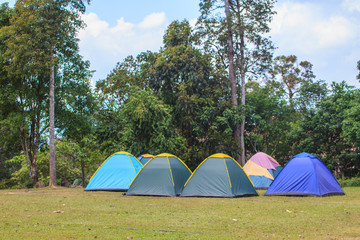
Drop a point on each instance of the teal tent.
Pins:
(163, 175)
(219, 176)
(115, 174)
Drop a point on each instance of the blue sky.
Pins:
(324, 32)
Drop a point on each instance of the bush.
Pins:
(352, 182)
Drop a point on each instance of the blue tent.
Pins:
(305, 175)
(115, 174)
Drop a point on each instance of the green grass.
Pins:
(63, 213)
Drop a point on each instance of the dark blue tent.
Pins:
(305, 175)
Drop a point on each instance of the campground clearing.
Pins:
(67, 213)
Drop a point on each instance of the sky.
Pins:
(323, 32)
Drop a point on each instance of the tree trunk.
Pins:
(83, 174)
(52, 166)
(33, 174)
(232, 76)
(242, 76)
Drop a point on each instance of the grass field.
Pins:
(64, 213)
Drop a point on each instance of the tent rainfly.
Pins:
(305, 175)
(145, 158)
(115, 174)
(262, 170)
(163, 175)
(219, 176)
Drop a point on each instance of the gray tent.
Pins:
(163, 175)
(219, 176)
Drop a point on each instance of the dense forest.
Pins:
(215, 88)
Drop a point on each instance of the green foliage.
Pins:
(249, 24)
(138, 71)
(292, 75)
(324, 131)
(146, 125)
(351, 122)
(71, 160)
(20, 177)
(352, 182)
(269, 120)
(39, 35)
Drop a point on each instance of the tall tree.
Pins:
(358, 67)
(238, 132)
(292, 74)
(62, 25)
(75, 107)
(9, 144)
(40, 32)
(186, 80)
(245, 22)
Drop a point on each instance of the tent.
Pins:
(115, 174)
(145, 158)
(305, 175)
(262, 170)
(219, 176)
(163, 175)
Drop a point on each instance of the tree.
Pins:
(40, 33)
(244, 23)
(292, 74)
(309, 94)
(324, 131)
(238, 132)
(351, 126)
(182, 77)
(9, 145)
(146, 122)
(358, 67)
(76, 106)
(133, 71)
(62, 27)
(269, 121)
(114, 91)
(186, 80)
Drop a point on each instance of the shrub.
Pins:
(351, 182)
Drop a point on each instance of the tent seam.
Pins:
(172, 178)
(132, 163)
(227, 171)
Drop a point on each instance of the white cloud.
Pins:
(94, 25)
(306, 27)
(122, 26)
(104, 46)
(153, 20)
(326, 34)
(352, 5)
(334, 31)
